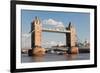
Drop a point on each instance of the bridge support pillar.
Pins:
(36, 29)
(71, 39)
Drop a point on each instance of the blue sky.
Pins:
(81, 22)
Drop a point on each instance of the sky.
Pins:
(53, 19)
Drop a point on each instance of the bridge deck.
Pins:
(57, 31)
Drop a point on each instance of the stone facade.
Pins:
(36, 32)
(71, 38)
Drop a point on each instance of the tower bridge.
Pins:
(36, 31)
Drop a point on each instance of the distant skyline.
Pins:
(52, 19)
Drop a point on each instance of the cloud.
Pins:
(25, 35)
(49, 43)
(26, 41)
(60, 26)
(49, 22)
(53, 43)
(53, 22)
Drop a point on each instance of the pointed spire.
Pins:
(70, 25)
(36, 18)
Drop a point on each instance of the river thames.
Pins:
(54, 57)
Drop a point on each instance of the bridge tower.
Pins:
(71, 39)
(36, 32)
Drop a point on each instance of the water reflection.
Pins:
(42, 58)
(38, 58)
(71, 56)
(54, 57)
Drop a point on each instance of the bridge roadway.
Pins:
(55, 30)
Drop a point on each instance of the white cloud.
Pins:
(25, 35)
(53, 43)
(60, 25)
(49, 43)
(53, 22)
(61, 43)
(26, 41)
(49, 22)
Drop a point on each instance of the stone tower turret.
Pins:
(36, 32)
(71, 38)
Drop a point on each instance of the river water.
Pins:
(54, 57)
